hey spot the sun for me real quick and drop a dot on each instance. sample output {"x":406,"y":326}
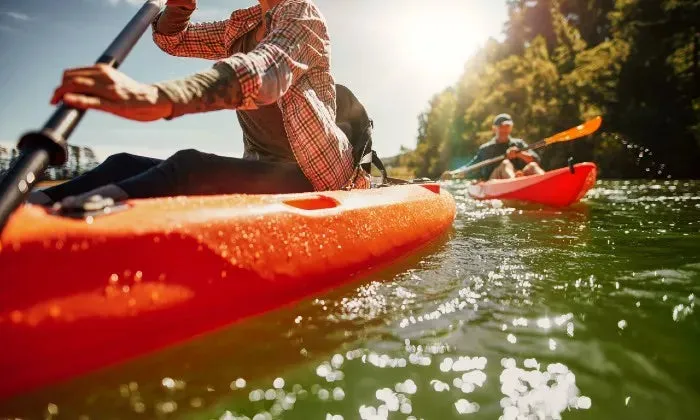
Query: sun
{"x":436,"y":40}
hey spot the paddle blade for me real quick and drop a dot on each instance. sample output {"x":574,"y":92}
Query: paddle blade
{"x":589,"y":127}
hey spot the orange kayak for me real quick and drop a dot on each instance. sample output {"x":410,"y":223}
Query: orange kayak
{"x":557,"y":188}
{"x":81,"y":294}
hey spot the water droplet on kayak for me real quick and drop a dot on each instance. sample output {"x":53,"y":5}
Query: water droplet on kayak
{"x":278,"y":383}
{"x":114,"y":278}
{"x":139,"y":407}
{"x":124,"y":390}
{"x":238,"y":384}
{"x":167,"y":407}
{"x":52,"y":409}
{"x":16,"y":317}
{"x":168,"y":383}
{"x":138,"y":276}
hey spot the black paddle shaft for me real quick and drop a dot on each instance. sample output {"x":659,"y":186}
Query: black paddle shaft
{"x":48,"y":146}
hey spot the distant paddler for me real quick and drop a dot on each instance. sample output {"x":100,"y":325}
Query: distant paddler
{"x":519,"y":161}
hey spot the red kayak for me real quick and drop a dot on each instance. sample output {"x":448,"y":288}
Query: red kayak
{"x":82,"y":294}
{"x":558,"y":188}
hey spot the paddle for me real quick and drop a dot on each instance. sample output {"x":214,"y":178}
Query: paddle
{"x":39,"y":149}
{"x":588,"y":127}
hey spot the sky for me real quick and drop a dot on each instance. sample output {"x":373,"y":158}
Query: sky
{"x":393,"y":54}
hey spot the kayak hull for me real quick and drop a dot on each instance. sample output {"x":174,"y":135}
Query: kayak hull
{"x":78,"y":295}
{"x":558,"y":188}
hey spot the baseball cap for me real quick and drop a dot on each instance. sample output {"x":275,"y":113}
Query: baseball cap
{"x":503,"y":119}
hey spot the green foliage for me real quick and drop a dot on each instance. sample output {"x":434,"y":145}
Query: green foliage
{"x":635,"y":62}
{"x":80,"y":160}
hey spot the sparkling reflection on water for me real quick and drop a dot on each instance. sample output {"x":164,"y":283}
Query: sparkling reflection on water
{"x":520,"y":313}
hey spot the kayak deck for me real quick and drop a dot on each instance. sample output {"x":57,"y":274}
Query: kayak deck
{"x":557,"y":188}
{"x":83,"y":294}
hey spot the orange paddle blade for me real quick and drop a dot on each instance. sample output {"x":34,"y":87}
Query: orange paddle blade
{"x":589,"y":127}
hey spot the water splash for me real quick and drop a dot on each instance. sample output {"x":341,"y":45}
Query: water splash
{"x":644,"y":158}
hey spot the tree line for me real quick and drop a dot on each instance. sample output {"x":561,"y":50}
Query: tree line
{"x":634,"y":62}
{"x":80,"y":160}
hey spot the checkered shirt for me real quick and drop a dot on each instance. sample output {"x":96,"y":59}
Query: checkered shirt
{"x":290,"y":66}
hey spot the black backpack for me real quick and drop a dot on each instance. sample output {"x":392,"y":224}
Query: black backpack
{"x":352,"y":118}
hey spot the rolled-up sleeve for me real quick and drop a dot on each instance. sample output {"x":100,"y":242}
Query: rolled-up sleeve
{"x":293,"y":46}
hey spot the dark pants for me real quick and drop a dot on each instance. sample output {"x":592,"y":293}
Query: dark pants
{"x":187,"y":172}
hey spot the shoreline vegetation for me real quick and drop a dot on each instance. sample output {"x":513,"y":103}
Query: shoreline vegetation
{"x":562,"y":62}
{"x":80,"y":160}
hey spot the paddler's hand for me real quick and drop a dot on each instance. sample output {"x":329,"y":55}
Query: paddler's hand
{"x":185,"y":4}
{"x":107,"y":89}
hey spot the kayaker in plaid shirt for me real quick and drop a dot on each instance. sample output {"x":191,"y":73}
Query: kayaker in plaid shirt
{"x":273,"y":68}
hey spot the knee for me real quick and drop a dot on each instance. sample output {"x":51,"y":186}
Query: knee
{"x":507,"y":164}
{"x":184,"y":161}
{"x":119,"y":159}
{"x":532,"y":168}
{"x":185,"y":155}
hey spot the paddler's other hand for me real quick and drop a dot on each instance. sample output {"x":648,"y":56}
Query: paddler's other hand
{"x":185,"y":4}
{"x":512,"y":153}
{"x":107,"y":89}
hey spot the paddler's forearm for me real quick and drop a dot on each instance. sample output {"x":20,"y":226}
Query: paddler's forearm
{"x":173,"y":20}
{"x":526,"y":157}
{"x":209,"y":90}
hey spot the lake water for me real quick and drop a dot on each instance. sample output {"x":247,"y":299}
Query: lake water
{"x":520,"y":312}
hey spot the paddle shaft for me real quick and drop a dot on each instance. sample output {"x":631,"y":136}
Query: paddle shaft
{"x":497,"y":159}
{"x":48,"y":146}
